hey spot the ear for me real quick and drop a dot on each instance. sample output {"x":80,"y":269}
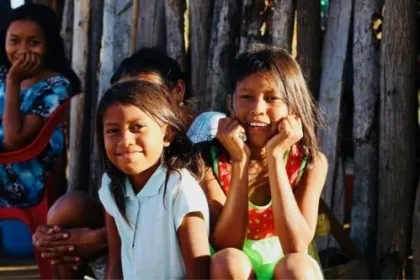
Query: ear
{"x":169,"y":136}
{"x":179,"y":91}
{"x":229,"y":101}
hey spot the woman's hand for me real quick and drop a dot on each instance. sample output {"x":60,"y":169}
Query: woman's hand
{"x":289,"y":133}
{"x":24,"y":67}
{"x":232,"y":135}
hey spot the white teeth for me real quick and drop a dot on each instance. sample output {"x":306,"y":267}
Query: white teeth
{"x":258,"y":124}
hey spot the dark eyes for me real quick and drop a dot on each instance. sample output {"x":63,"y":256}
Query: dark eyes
{"x":35,"y":43}
{"x":267,"y":98}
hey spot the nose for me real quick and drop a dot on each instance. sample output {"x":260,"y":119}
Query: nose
{"x":258,"y":107}
{"x":127,"y":139}
{"x":23,"y":48}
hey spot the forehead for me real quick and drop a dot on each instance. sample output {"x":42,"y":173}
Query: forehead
{"x":119,"y":112}
{"x":257,"y":82}
{"x":25,"y":28}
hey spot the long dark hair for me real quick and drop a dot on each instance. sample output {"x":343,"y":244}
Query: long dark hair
{"x":152,"y":99}
{"x":55,"y":57}
{"x":285,"y":71}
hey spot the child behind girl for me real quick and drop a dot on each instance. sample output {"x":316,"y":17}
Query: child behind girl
{"x":157,"y":215}
{"x":268,"y":173}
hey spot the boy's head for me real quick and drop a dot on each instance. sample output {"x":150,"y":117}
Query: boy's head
{"x":155,"y":66}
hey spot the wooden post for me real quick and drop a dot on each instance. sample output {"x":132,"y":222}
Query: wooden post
{"x":222,"y":50}
{"x":79,"y":63}
{"x":252,"y":20}
{"x":330,"y":96}
{"x":134,"y":26}
{"x":200,"y":29}
{"x":282,"y":26}
{"x":122,"y":32}
{"x":174,"y":15}
{"x":67,"y":27}
{"x":333,"y":57}
{"x":416,"y":236}
{"x":365,"y":128}
{"x":309,"y":41}
{"x":397,"y":145}
{"x":151,"y":29}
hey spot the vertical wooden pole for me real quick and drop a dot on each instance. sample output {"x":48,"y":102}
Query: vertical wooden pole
{"x":79,"y":63}
{"x":282,"y":26}
{"x":174,"y":16}
{"x":200,"y":31}
{"x":397,"y":144}
{"x":365,"y":128}
{"x":330,"y":97}
{"x":222,"y":50}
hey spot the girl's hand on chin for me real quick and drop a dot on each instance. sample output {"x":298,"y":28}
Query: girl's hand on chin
{"x":289,"y":133}
{"x":232,"y":135}
{"x":24,"y":67}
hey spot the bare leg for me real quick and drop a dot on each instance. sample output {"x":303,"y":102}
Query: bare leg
{"x":231,"y":264}
{"x":298,"y":266}
{"x":74,"y":210}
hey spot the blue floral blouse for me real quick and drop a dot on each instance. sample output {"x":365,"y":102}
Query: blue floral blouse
{"x":22,"y":184}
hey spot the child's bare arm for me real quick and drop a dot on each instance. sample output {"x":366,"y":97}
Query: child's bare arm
{"x":19,"y":129}
{"x":295,"y":213}
{"x":193,"y":240}
{"x":113,"y":266}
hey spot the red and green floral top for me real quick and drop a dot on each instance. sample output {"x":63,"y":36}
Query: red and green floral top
{"x":261,"y":224}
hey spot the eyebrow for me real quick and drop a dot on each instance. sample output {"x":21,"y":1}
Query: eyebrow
{"x":18,"y":35}
{"x":268,"y":91}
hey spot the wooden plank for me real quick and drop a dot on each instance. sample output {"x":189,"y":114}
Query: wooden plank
{"x":330,"y":97}
{"x":309,"y":41}
{"x":252,"y":20}
{"x":222,"y":50}
{"x":79,"y":63}
{"x":174,"y":15}
{"x":122,"y":31}
{"x":397,"y":145}
{"x":135,"y":21}
{"x":67,"y":27}
{"x":151,"y":29}
{"x":200,"y":27}
{"x":365,"y":129}
{"x":333,"y":57}
{"x":282,"y":26}
{"x":105,"y":73}
{"x":416,"y":236}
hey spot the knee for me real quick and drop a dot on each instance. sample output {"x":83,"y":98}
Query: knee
{"x":76,"y":209}
{"x":297,"y":266}
{"x":230,"y":263}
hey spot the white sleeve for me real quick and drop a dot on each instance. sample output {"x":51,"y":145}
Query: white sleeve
{"x":189,"y":198}
{"x":105,"y":196}
{"x":204,"y":127}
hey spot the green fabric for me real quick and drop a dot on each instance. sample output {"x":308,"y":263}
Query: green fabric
{"x":264,"y":254}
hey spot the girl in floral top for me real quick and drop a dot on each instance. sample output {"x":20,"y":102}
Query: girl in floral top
{"x":267,"y":173}
{"x":35,"y":78}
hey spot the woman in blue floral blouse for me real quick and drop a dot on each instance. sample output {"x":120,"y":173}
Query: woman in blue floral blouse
{"x":35,"y":77}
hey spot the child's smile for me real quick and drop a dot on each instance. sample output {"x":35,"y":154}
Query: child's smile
{"x":259,"y":105}
{"x":134,"y":141}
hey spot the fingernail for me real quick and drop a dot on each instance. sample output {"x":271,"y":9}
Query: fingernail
{"x":43,"y":255}
{"x":76,"y":259}
{"x":52,"y":262}
{"x":71,"y":248}
{"x":37,"y":244}
{"x":65,"y":235}
{"x":74,"y":267}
